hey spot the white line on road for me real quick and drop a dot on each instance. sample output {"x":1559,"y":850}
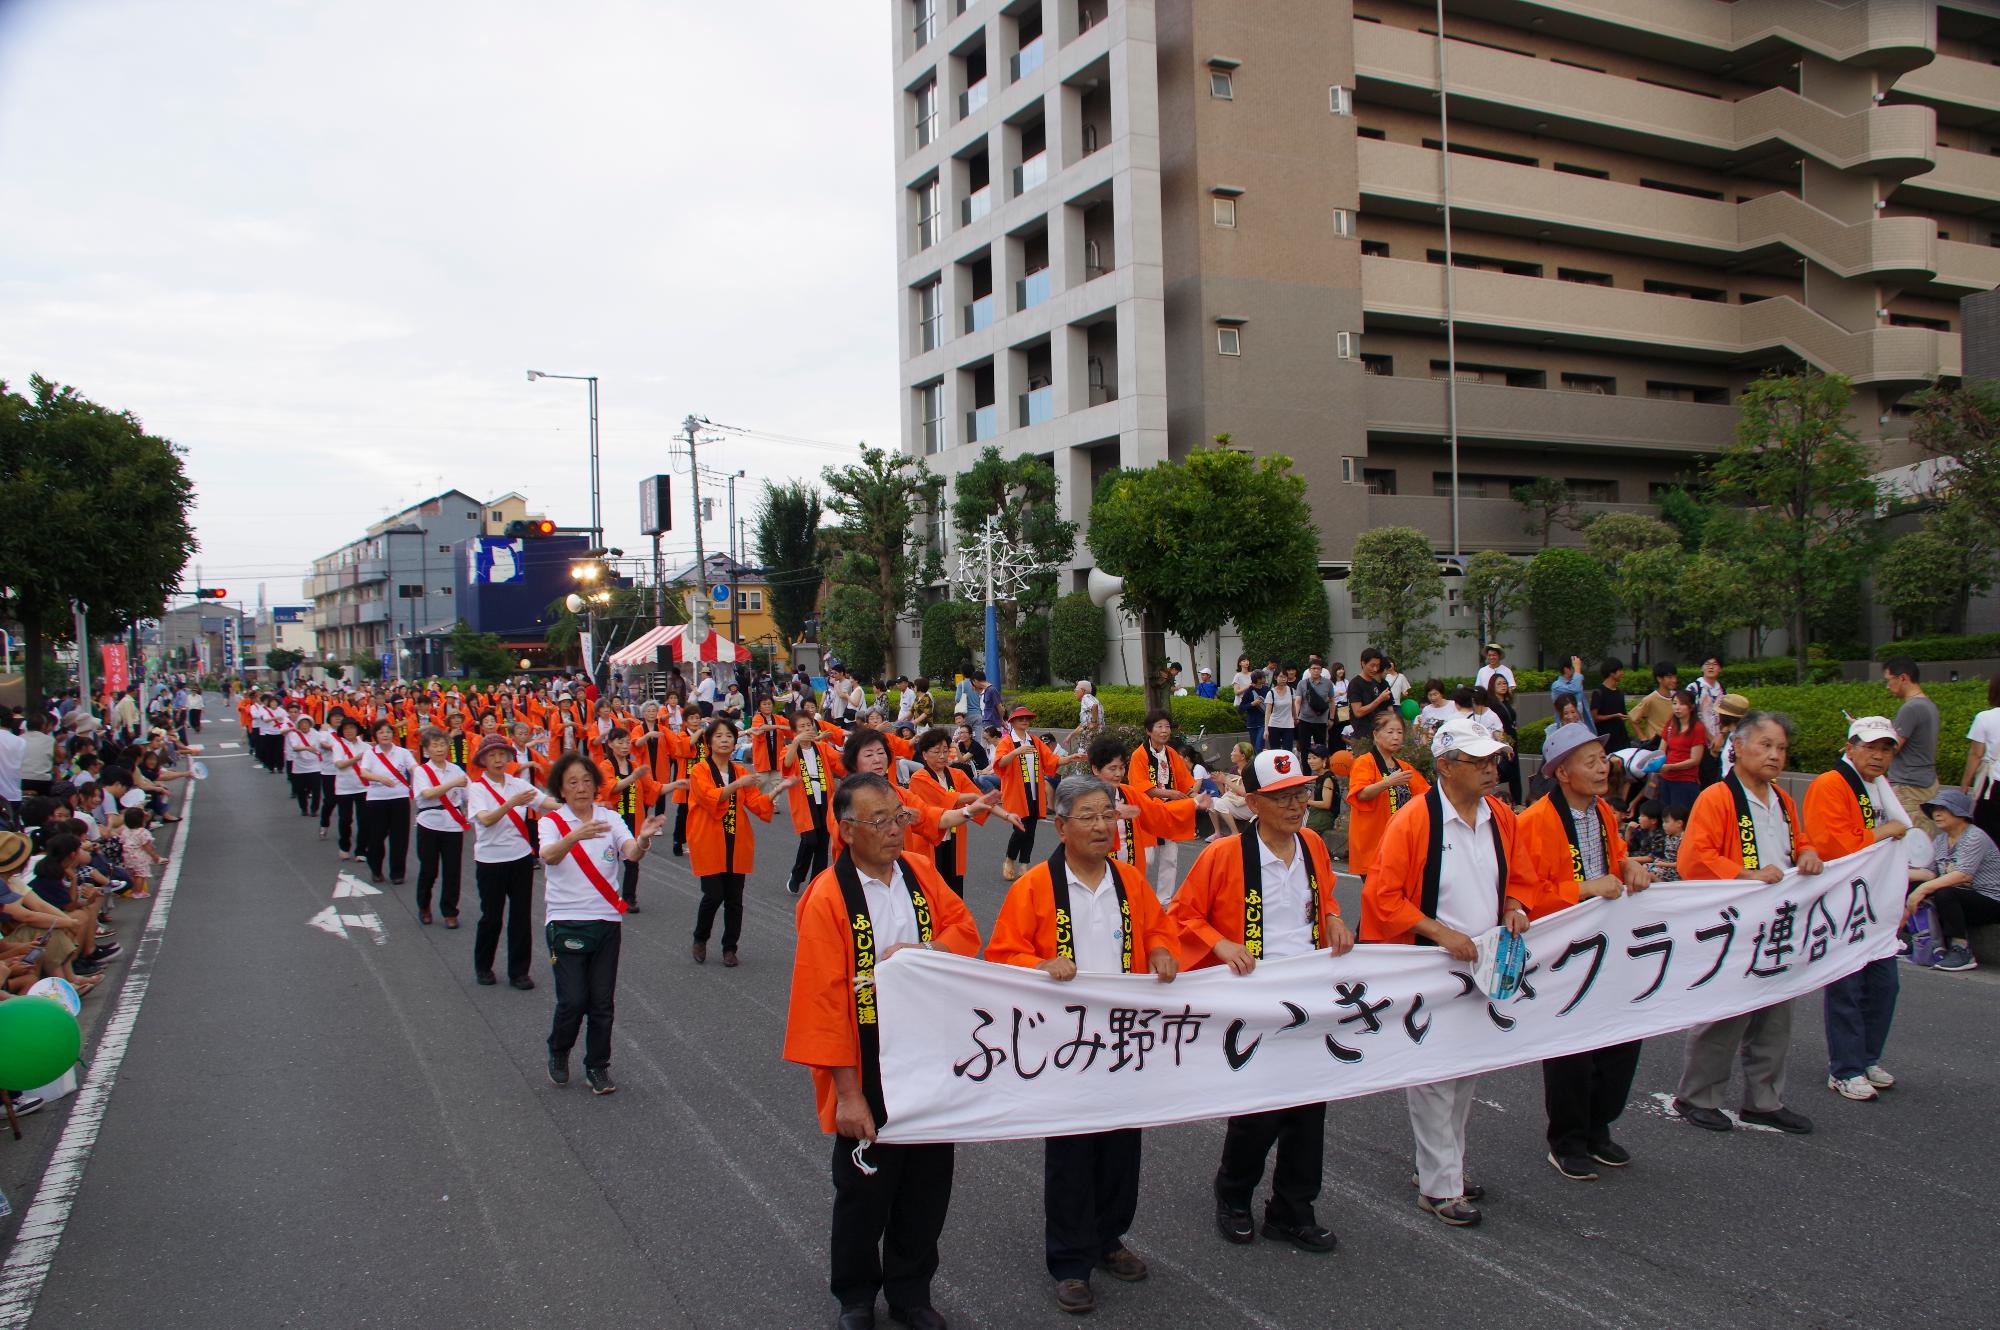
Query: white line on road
{"x":330,"y":920}
{"x":34,"y":1252}
{"x":349,"y":885}
{"x":229,"y":745}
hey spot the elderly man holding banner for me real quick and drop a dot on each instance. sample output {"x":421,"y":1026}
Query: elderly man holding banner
{"x":889,"y":1201}
{"x":1745,"y":827}
{"x":1083,"y":911}
{"x":1568,"y":850}
{"x":1264,"y":895}
{"x":1440,"y":877}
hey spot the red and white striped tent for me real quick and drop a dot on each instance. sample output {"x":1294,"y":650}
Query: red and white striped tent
{"x":715,"y":647}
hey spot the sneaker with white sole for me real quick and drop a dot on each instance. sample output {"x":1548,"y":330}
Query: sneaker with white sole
{"x":1880,"y":1078}
{"x":1851,"y":1087}
{"x":1958,"y":956}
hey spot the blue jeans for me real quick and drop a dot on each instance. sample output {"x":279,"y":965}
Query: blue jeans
{"x":1859,"y":1009}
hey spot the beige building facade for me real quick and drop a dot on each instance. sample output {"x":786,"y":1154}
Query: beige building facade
{"x":1130,"y":225}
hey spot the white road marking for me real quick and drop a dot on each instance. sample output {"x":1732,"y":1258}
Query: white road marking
{"x":1663,"y":1106}
{"x":229,"y":745}
{"x":1489,"y":1104}
{"x":350,"y":885}
{"x":330,"y":920}
{"x":34,"y":1252}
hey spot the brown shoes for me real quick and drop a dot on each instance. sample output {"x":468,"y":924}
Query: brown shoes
{"x":1123,"y":1264}
{"x":1074,"y":1296}
{"x":729,"y":959}
{"x":1008,"y":872}
{"x":701,"y":953}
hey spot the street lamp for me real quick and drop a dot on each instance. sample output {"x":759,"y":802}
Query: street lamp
{"x":596,"y":517}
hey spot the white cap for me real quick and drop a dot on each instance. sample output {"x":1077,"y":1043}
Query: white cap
{"x":1871,"y":729}
{"x":1465,"y":738}
{"x":1275,"y":769}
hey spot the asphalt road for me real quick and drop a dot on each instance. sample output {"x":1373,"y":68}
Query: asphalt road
{"x":322,"y":1131}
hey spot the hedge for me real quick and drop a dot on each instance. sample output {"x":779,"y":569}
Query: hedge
{"x":1077,"y":637}
{"x":1126,"y":705}
{"x":1822,"y":730}
{"x":1976,"y":646}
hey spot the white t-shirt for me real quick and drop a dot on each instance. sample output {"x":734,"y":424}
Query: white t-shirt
{"x":431,"y":812}
{"x":1399,"y":685}
{"x":1985,"y":730}
{"x":705,"y":690}
{"x":339,"y":750}
{"x":1089,"y":711}
{"x":1486,"y":672}
{"x":501,"y":843}
{"x":302,"y":752}
{"x":1280,"y":708}
{"x":384,"y":762}
{"x":1239,"y":683}
{"x":38,"y":755}
{"x":569,"y":892}
{"x":1435,"y":716}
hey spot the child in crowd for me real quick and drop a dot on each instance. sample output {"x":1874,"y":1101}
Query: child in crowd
{"x":1644,"y":841}
{"x":141,"y":855}
{"x":1673,"y":823}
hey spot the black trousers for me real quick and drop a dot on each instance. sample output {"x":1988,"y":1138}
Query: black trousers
{"x":1312,"y":734}
{"x":1021,"y":844}
{"x":194,"y":719}
{"x":326,"y":799}
{"x":439,"y":853}
{"x":1090,"y":1192}
{"x":628,"y":882}
{"x":586,"y":986}
{"x":385,"y":833}
{"x":273,"y":750}
{"x":946,"y":859}
{"x":1300,"y":1135}
{"x":811,"y":859}
{"x":305,"y":789}
{"x":723,"y":891}
{"x":505,"y":893}
{"x":1584,"y":1093}
{"x":1958,"y":906}
{"x":349,"y":805}
{"x":886,"y":1225}
{"x":680,"y":827}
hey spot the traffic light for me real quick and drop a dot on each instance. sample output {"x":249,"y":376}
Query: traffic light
{"x":210,"y":593}
{"x":531,"y":530}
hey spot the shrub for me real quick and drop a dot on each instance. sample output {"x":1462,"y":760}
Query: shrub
{"x":1525,"y":681}
{"x":1293,"y":631}
{"x":951,"y":631}
{"x":1055,"y":709}
{"x":1817,"y":712}
{"x":1574,"y":608}
{"x":1076,"y":637}
{"x":1976,"y":646}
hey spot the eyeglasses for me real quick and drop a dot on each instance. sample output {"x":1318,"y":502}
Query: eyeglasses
{"x":1287,"y":799}
{"x":902,"y":817}
{"x":1092,"y":819}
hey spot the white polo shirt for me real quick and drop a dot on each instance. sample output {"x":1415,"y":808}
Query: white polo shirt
{"x":345,"y":779}
{"x":501,"y":843}
{"x":431,"y":813}
{"x":1287,"y":893}
{"x":568,"y":891}
{"x":1097,"y":929}
{"x":1468,"y":878}
{"x":302,"y":753}
{"x":890,"y":912}
{"x":387,"y":762}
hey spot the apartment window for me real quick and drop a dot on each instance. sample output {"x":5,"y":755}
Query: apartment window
{"x":444,"y":591}
{"x":472,"y":517}
{"x":1382,"y":365}
{"x":1570,"y":168}
{"x":929,"y":217}
{"x":1229,"y":341}
{"x":925,"y":103}
{"x":1343,"y":346}
{"x":1375,"y":249}
{"x":1451,"y":602}
{"x":1691,"y":191}
{"x":1686,"y":292}
{"x":1225,"y":212}
{"x":1916,"y":321}
{"x":1576,"y":64}
{"x":923,"y":25}
{"x":1348,"y":470}
{"x":1593,"y":491}
{"x":930,"y":313}
{"x":930,"y":405}
{"x":1511,"y":376}
{"x":1379,"y":480}
{"x":1473,"y":485}
{"x":1221,"y":86}
{"x":1513,"y":267}
{"x":1340,"y":100}
{"x":1662,"y":391}
{"x":753,"y":601}
{"x":1583,"y":277}
{"x":1750,"y":297}
{"x":1343,"y":222}
{"x":1370,"y":132}
{"x":1490,"y":154}
{"x":1601,"y":384}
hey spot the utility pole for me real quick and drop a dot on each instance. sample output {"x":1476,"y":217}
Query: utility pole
{"x":735,"y":564}
{"x":659,"y":586}
{"x":82,"y":659}
{"x":698,"y":610}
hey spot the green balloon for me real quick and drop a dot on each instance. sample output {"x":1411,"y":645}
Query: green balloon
{"x":1409,"y":708}
{"x":39,"y":1041}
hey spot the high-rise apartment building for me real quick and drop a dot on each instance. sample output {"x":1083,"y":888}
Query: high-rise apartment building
{"x":1564,"y":235}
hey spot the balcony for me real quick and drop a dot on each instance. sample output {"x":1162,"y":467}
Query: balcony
{"x":1031,"y":174}
{"x":369,"y":570}
{"x":1037,"y":406}
{"x":1491,"y":413}
{"x":1027,"y":60}
{"x":1890,"y":36}
{"x":982,"y":424}
{"x":1032,"y":290}
{"x":1960,"y":182}
{"x":975,"y":205}
{"x":372,"y":611}
{"x":979,"y":314}
{"x":972,"y":99}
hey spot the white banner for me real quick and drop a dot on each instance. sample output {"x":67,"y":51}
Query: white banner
{"x":979,"y":1052}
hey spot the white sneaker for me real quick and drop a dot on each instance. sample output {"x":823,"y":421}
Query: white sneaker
{"x":1879,"y":1078}
{"x":1854,"y":1087}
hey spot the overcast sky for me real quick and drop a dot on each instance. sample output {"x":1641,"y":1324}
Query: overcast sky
{"x":318,"y":244}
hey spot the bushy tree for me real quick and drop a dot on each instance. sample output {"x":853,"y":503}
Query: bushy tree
{"x":1709,"y":603}
{"x":1077,"y":637}
{"x":1921,"y":581}
{"x":1495,"y":586}
{"x":1961,"y":427}
{"x":1548,"y":503}
{"x":1614,"y":536}
{"x":1019,"y":496}
{"x":1571,"y":601}
{"x":280,"y":659}
{"x":951,"y":633}
{"x":1397,"y":585}
{"x":787,"y":536}
{"x":479,"y":654}
{"x":1293,"y":629}
{"x":882,"y":557}
{"x":853,"y":627}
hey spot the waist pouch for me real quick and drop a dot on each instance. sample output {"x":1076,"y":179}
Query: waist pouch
{"x":575,"y":937}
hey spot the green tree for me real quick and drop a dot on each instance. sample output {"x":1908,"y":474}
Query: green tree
{"x":1646,"y":583}
{"x":1805,"y":480}
{"x":1688,"y":512}
{"x":1614,"y":536}
{"x":364,"y":665}
{"x":480,"y":655}
{"x":1077,"y":637}
{"x":1019,"y":495}
{"x":1548,"y":504}
{"x":1921,"y":581}
{"x":1495,"y":586}
{"x":951,"y":633}
{"x":1961,"y":427}
{"x":1200,"y":542}
{"x":1396,"y":583}
{"x":882,"y":558}
{"x":93,"y":509}
{"x":1292,"y":629}
{"x":787,"y":536}
{"x":1708,"y":604}
{"x":280,"y":659}
{"x":1571,"y":601}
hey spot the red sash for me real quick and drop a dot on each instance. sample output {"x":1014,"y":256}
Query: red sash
{"x":512,"y":816}
{"x":393,"y":770}
{"x":597,"y":879}
{"x":449,"y":806}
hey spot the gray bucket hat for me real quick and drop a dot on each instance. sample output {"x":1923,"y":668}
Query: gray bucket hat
{"x":1951,"y":799}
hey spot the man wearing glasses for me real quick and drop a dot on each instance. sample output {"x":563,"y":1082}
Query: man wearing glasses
{"x":1267,"y":894}
{"x":889,"y":1201}
{"x":1082,"y":910}
{"x":1439,"y":880}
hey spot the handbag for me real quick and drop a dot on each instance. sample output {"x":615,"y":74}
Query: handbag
{"x":575,"y":937}
{"x":1926,"y":937}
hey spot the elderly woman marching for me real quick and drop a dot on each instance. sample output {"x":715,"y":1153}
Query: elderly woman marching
{"x":505,"y":851}
{"x":581,"y":843}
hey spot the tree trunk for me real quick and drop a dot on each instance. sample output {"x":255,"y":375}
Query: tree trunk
{"x":31,"y":669}
{"x":1799,"y":642}
{"x":1153,"y":659}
